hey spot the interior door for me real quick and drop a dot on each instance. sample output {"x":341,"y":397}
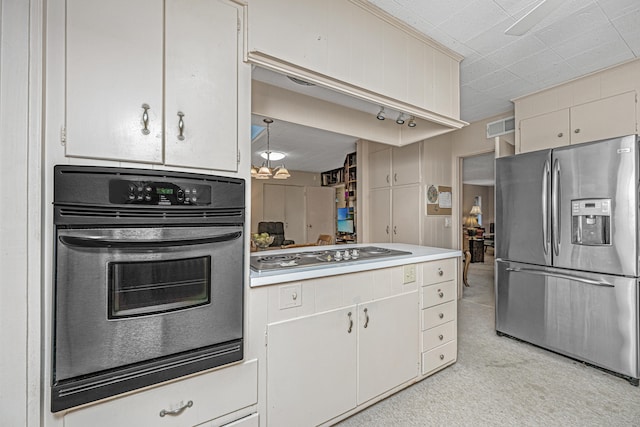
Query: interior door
{"x":321,"y":212}
{"x":600,"y":170}
{"x":294,"y":217}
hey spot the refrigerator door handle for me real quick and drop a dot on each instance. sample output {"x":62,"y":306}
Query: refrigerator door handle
{"x":546,"y":172}
{"x":561,"y":276}
{"x":555,"y":208}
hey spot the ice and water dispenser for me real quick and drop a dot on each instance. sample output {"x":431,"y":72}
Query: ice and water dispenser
{"x":591,"y":222}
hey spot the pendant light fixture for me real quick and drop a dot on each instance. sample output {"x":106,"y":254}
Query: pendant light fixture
{"x":266,"y":171}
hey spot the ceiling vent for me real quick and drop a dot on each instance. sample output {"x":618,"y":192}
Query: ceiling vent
{"x":501,"y":127}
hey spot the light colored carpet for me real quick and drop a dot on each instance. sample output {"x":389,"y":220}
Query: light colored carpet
{"x":498,"y":381}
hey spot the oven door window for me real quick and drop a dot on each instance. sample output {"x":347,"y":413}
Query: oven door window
{"x":151,"y":287}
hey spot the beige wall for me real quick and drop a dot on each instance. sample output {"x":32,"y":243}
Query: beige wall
{"x":303,"y":179}
{"x":437,"y":170}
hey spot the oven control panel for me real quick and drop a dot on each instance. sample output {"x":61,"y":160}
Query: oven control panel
{"x":158,"y":193}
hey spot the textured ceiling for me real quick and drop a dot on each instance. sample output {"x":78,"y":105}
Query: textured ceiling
{"x":577,"y":38}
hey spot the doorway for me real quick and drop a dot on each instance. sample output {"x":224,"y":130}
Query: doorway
{"x":477,"y":217}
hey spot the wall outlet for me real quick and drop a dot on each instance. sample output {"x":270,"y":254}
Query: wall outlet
{"x":409,"y":273}
{"x":290,"y":296}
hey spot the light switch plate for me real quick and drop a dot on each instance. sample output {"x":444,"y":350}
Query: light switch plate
{"x":409,"y":273}
{"x":447,"y":222}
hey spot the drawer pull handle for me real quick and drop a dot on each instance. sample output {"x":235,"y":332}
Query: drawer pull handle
{"x":350,"y":323}
{"x":440,"y":272}
{"x":145,"y":119}
{"x":577,"y":130}
{"x":560,"y":135}
{"x":366,"y":314}
{"x":178,"y":411}
{"x":441,"y":315}
{"x":440,"y":293}
{"x":442,"y":357}
{"x":441,"y":337}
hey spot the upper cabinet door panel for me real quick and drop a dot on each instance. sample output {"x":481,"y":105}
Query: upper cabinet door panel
{"x":606,"y":118}
{"x":201,"y":84}
{"x":545,"y":131}
{"x":380,"y":168}
{"x":111,"y":71}
{"x":294,"y":31}
{"x":406,"y":164}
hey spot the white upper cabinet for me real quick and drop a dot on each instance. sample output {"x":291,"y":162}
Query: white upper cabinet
{"x":201,"y":84}
{"x":353,"y":46}
{"x":152,"y":81}
{"x":395,"y":166}
{"x":114,"y":67}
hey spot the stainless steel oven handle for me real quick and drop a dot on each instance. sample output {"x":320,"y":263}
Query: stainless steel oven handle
{"x":92,"y":242}
{"x":561,"y":276}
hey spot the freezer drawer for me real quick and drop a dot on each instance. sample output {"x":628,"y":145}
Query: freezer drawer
{"x":591,"y":317}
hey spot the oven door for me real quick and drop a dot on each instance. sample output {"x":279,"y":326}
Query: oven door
{"x":130,"y":295}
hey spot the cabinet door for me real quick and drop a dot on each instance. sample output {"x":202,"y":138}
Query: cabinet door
{"x":201,"y":107}
{"x":388,"y":337}
{"x":380,"y":215}
{"x":311,"y":368}
{"x":406,"y":215}
{"x":548,"y":130}
{"x":380,"y":168}
{"x":406,"y":165}
{"x":606,"y":118}
{"x":111,"y":72}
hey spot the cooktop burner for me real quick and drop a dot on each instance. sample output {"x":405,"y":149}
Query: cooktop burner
{"x":261,"y":262}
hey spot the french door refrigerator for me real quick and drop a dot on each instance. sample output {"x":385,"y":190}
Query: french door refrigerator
{"x":566,"y":241}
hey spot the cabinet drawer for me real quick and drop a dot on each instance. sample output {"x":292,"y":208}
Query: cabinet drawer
{"x":438,"y":294}
{"x":211,"y":395}
{"x":431,"y":338}
{"x":438,"y":315}
{"x":438,"y":271}
{"x":439,"y":356}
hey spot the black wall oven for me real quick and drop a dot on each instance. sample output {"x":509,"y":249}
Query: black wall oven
{"x":149,"y":278}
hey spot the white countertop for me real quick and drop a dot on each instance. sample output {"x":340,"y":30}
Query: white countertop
{"x":418,"y":254}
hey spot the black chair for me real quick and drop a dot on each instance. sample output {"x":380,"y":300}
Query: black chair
{"x":275,"y":229}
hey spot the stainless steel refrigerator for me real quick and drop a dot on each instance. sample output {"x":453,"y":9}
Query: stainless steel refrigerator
{"x":566,"y":241}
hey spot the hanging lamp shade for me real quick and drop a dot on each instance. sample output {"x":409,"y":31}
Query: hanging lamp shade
{"x":281,"y":173}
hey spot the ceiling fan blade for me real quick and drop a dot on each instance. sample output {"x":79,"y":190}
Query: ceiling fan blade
{"x":535,"y":15}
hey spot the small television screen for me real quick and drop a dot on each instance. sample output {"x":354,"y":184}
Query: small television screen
{"x":345,"y":213}
{"x":345,"y":226}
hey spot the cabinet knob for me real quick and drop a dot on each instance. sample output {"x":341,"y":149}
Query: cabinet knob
{"x":294,"y":296}
{"x":560,"y":135}
{"x":440,"y":272}
{"x":441,"y":315}
{"x":577,"y":130}
{"x":181,"y":125}
{"x":145,"y":119}
{"x":442,"y":357}
{"x":441,"y":337}
{"x":440,"y":293}
{"x":177,"y":411}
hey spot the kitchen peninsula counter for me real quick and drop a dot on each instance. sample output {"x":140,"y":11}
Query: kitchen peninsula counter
{"x":418,"y":254}
{"x":349,"y":333}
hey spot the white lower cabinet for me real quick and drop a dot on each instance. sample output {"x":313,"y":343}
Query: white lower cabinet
{"x":187,"y":402}
{"x":438,"y":315}
{"x":387,"y":344}
{"x":311,"y":368}
{"x":323,"y":365}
